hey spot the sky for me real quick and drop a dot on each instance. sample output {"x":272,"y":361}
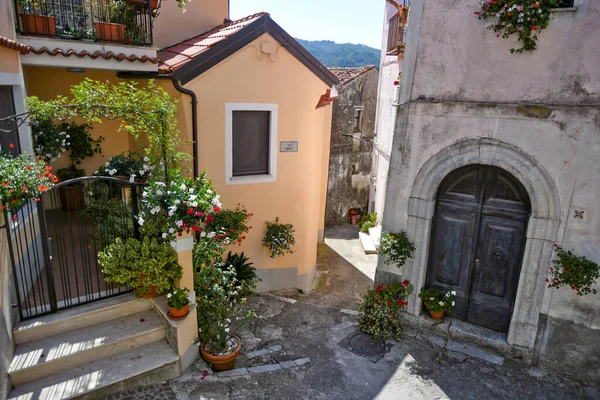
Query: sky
{"x":342,"y":21}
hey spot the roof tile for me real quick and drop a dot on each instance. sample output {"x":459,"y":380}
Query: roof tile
{"x":346,"y":75}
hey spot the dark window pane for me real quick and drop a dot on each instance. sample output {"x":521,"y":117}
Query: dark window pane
{"x":7,"y":109}
{"x":251,"y":142}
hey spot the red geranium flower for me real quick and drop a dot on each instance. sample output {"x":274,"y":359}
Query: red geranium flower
{"x":190,"y":211}
{"x":405,"y":283}
{"x":11,"y":146}
{"x":389,"y":303}
{"x":216,"y":209}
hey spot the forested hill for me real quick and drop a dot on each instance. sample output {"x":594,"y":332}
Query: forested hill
{"x":333,"y":54}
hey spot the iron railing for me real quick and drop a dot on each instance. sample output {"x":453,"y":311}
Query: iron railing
{"x":54,"y":243}
{"x":118,"y":21}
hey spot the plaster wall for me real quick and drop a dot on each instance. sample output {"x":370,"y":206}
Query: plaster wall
{"x":535,"y":115}
{"x":200,"y":16}
{"x":298,"y":194}
{"x":7,"y":344}
{"x":350,"y":149}
{"x":385,"y":117}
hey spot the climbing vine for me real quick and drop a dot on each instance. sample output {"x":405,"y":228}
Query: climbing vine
{"x":576,"y":272}
{"x":146,"y":111}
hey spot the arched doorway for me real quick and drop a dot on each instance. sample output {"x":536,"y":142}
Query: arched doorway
{"x":477,"y":243}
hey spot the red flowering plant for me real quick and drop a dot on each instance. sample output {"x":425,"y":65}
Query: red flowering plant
{"x":229,"y":224}
{"x":380,"y":310}
{"x":576,"y":272}
{"x":23,"y":178}
{"x":525,"y":18}
{"x":182,"y":205}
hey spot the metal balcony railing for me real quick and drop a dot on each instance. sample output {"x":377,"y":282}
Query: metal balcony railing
{"x":117,"y":21}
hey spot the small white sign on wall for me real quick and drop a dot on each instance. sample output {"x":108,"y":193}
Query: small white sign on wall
{"x":288,"y":147}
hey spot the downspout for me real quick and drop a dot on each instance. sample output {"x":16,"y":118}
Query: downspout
{"x":194,"y":121}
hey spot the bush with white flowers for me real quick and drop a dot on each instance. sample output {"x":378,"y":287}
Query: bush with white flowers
{"x":127,"y":164}
{"x":183,"y":205}
{"x":279,"y":238}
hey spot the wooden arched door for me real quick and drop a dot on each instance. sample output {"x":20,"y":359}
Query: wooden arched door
{"x":477,"y":243}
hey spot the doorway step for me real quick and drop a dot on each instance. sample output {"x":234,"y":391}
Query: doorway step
{"x":91,"y":351}
{"x":466,"y":338}
{"x":370,"y":241}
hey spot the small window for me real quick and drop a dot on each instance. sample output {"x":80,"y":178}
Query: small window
{"x":7,"y":109}
{"x":565,"y":3}
{"x":358,"y":111}
{"x":251,"y":142}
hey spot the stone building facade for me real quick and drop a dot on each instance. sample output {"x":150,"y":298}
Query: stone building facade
{"x":494,"y":158}
{"x":352,"y":130}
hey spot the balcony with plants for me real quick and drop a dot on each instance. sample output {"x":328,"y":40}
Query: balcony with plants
{"x":126,"y":22}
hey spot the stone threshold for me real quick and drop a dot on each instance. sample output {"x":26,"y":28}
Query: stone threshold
{"x":465,"y":338}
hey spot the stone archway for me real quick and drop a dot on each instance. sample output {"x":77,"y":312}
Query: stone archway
{"x":542,"y":227}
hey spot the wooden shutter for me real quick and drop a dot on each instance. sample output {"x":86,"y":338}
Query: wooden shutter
{"x":251,"y":142}
{"x":7,"y":109}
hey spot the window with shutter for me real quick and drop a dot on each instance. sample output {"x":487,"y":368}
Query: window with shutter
{"x":251,"y":142}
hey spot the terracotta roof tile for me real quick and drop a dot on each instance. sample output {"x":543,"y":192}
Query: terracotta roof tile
{"x":25,"y":49}
{"x":346,"y":75}
{"x":176,"y":56}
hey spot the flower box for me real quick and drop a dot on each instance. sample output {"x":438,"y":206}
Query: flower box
{"x":38,"y":24}
{"x":110,"y":32}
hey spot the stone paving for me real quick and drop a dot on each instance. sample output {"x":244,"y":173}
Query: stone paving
{"x":310,"y":329}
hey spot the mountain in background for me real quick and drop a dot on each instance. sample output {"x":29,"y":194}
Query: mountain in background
{"x":342,"y":55}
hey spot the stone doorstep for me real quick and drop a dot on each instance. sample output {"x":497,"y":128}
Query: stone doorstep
{"x":264,"y":352}
{"x":465,"y":338}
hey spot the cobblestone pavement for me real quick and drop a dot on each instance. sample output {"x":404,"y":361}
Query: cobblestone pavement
{"x":157,"y":391}
{"x":310,"y":326}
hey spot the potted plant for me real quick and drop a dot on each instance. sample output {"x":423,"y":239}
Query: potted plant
{"x":178,"y":303}
{"x":110,"y":26}
{"x":22,"y":178}
{"x":127,"y":166}
{"x":279,"y":238}
{"x":437,"y":302}
{"x":380,"y":310}
{"x":34,"y":19}
{"x":220,"y":304}
{"x":149,"y":265}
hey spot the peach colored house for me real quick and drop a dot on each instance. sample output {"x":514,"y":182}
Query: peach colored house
{"x":255,"y":112}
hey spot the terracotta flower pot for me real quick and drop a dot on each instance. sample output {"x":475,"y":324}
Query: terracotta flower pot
{"x":38,"y":24}
{"x":437,"y":315}
{"x":153,"y":3}
{"x":178,"y":314}
{"x":151,"y":293}
{"x":222,"y":363}
{"x":109,"y":31}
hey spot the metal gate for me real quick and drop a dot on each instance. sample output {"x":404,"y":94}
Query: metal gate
{"x":54,"y":242}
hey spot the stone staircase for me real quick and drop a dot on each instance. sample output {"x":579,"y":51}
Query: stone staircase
{"x":92,"y":351}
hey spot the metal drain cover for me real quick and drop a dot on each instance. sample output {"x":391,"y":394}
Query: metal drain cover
{"x":365,"y":346}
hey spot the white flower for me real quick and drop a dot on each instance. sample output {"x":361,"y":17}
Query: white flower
{"x":145,"y":194}
{"x":193,"y":197}
{"x":208,"y":191}
{"x":159,"y":192}
{"x":169,"y":295}
{"x":106,"y":164}
{"x":195,"y":204}
{"x":161,"y":184}
{"x":141,"y":221}
{"x":227,"y":330}
{"x":453,"y":304}
{"x":453,"y":293}
{"x":164,"y":235}
{"x":191,"y":190}
{"x":202,"y":234}
{"x":171,"y":230}
{"x":176,"y":202}
{"x":431,"y":298}
{"x":146,"y":159}
{"x":441,"y":303}
{"x":211,"y":235}
{"x":132,"y":178}
{"x":179,"y":223}
{"x":112,"y":171}
{"x":171,"y":213}
{"x":183,"y":187}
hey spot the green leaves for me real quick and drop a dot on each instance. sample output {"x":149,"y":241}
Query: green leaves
{"x":435,"y":300}
{"x":23,"y":178}
{"x":125,"y":262}
{"x":397,"y":248}
{"x":577,"y":272}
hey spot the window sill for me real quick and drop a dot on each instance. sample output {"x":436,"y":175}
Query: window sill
{"x":564,"y":10}
{"x":241,"y":180}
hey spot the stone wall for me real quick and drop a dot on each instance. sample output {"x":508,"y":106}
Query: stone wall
{"x":465,"y":99}
{"x":350,"y":155}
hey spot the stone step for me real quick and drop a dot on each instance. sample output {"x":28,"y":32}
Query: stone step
{"x":367,"y":244}
{"x":51,"y":355}
{"x":127,"y":370}
{"x":375,"y":234}
{"x":79,"y":317}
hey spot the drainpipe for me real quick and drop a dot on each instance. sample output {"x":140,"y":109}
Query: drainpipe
{"x":194,"y":121}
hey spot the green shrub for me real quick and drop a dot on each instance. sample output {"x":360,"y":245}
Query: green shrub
{"x":434,"y":299}
{"x":124,"y":263}
{"x":396,"y":248}
{"x":245,"y":273}
{"x":578,"y":273}
{"x":365,"y":227}
{"x":380,"y":310}
{"x":372,"y":218}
